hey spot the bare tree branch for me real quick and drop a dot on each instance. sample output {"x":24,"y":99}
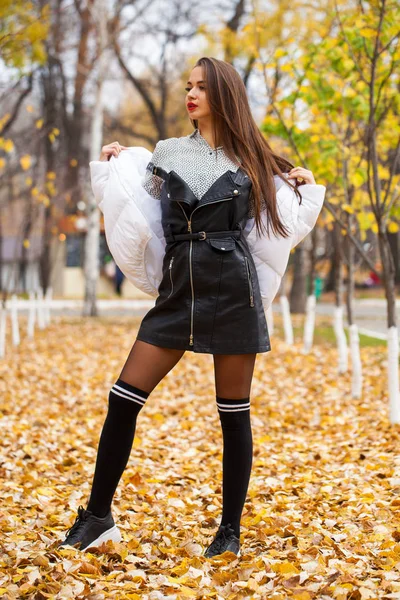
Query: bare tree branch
{"x":355,"y":58}
{"x":18,"y":104}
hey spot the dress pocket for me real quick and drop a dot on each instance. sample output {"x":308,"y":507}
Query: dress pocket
{"x":251,"y":295}
{"x":223,"y":244}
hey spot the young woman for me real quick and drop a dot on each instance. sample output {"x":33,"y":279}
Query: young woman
{"x":209,"y":183}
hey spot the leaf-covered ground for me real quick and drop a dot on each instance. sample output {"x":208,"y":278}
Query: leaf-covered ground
{"x":321,"y":518}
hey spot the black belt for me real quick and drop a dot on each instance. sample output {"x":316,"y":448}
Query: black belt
{"x":202,"y":235}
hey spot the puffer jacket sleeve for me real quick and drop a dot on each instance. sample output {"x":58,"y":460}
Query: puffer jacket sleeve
{"x":132,"y":220}
{"x":313,"y":196}
{"x":271,"y":252}
{"x":99,"y":173}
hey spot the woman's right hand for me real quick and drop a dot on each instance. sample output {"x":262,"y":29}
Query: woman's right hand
{"x":110,"y":150}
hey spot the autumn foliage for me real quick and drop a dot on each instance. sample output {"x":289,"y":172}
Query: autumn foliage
{"x":321,"y":518}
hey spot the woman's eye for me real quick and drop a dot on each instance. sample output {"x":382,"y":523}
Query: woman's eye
{"x":188,"y":88}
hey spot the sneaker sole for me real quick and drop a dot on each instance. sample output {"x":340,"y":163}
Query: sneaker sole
{"x":112,"y":534}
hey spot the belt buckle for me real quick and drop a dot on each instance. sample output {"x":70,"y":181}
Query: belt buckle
{"x":203,"y":233}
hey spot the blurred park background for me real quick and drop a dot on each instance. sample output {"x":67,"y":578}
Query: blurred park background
{"x":323,"y":83}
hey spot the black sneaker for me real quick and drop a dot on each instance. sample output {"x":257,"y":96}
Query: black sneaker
{"x":225,"y":539}
{"x":90,"y":530}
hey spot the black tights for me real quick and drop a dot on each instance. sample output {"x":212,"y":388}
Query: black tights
{"x":145,"y":367}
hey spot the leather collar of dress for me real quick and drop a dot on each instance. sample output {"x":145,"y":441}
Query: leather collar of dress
{"x":226,"y":186}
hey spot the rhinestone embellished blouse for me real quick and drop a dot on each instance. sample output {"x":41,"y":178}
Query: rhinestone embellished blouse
{"x":193,"y":159}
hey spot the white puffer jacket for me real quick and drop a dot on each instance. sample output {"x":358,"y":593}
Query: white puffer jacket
{"x":132,"y":221}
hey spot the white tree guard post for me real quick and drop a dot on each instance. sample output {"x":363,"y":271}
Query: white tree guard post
{"x":47,"y":303}
{"x":287,"y":321}
{"x":3,"y":329}
{"x":14,"y":321}
{"x":340,"y":339}
{"x":309,"y":324}
{"x":270,"y":319}
{"x":356,"y":365}
{"x":315,"y":420}
{"x":31,"y":315}
{"x":40,"y":308}
{"x":393,"y":374}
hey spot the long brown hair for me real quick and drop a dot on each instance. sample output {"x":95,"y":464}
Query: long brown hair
{"x":234,"y":128}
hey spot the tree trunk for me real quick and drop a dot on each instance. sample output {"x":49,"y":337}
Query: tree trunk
{"x":75,"y":130}
{"x":49,"y":88}
{"x":330,"y":280}
{"x":339,"y":265}
{"x":301,"y":267}
{"x":313,"y":259}
{"x":92,"y":239}
{"x":24,"y":262}
{"x":394,"y":243}
{"x":388,"y":273}
{"x":356,"y":364}
{"x":309,"y":323}
{"x":350,"y":252}
{"x":338,"y":313}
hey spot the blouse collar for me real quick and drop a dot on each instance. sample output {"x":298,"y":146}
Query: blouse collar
{"x":199,"y":138}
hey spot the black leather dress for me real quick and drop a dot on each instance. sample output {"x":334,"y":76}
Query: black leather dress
{"x":209,"y":297}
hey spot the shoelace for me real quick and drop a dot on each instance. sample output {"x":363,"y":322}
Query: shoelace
{"x":79,"y":521}
{"x":223,"y":534}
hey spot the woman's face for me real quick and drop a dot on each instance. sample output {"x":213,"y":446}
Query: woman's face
{"x":196,"y":102}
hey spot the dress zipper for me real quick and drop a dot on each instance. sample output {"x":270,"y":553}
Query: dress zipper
{"x":189,"y":222}
{"x":250,"y":284}
{"x":170,"y":275}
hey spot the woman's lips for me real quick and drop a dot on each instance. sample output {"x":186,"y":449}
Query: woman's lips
{"x":191,"y":106}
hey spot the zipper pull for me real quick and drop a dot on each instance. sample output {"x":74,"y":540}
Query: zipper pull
{"x":190,"y":226}
{"x":251,"y":301}
{"x":191,"y":340}
{"x":170,"y":262}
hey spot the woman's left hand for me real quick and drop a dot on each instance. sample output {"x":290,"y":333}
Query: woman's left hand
{"x":304,"y":174}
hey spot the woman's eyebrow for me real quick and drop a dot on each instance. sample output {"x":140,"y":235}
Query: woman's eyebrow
{"x":200,"y":81}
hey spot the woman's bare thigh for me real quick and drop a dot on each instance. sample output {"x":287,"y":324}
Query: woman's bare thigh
{"x":147,"y":364}
{"x":233,"y":375}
